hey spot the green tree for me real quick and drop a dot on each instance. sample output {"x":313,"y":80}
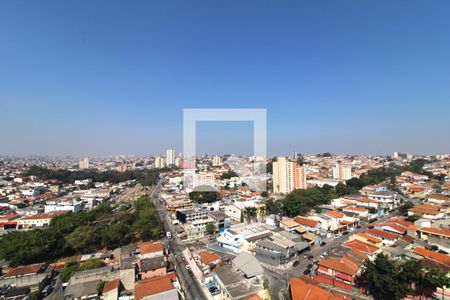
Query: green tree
{"x":83,"y":239}
{"x":204,"y":196}
{"x":116,"y":235}
{"x":380,"y":278}
{"x":210,"y":228}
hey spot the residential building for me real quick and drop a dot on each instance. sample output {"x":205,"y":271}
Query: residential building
{"x":287,"y":176}
{"x":342,"y":172}
{"x":83,"y":164}
{"x":170,"y":157}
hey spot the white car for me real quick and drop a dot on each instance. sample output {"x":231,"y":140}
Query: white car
{"x":337,"y":236}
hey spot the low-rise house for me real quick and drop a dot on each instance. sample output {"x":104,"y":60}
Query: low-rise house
{"x":240,"y":279}
{"x":427,"y":211}
{"x":436,"y":236}
{"x":387,"y":238}
{"x":150,"y":250}
{"x":311,"y":226}
{"x":207,"y":260}
{"x":31,"y":276}
{"x":361,"y":212}
{"x":289,"y":225}
{"x":152,"y":267}
{"x":367,"y":238}
{"x":340,"y":272}
{"x":156,"y":288}
{"x":243,"y":236}
{"x":111,"y":290}
{"x":304,"y":289}
{"x":438,"y":199}
{"x":277,"y":249}
{"x":38,"y":220}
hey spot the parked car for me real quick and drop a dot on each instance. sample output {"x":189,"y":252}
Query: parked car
{"x":296,"y":263}
{"x":311,"y":257}
{"x":306,"y":272}
{"x":323,"y":244}
{"x":345,"y":233}
{"x":188,"y":267}
{"x":309,"y":266}
{"x":337,"y":236}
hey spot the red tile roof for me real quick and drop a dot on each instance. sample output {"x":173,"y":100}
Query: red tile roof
{"x":111,"y":285}
{"x":436,"y":231}
{"x":152,"y":286}
{"x":368,"y":237}
{"x":436,"y":256}
{"x":382,"y":234}
{"x":45,"y":215}
{"x":151,"y":247}
{"x":302,"y":290}
{"x":335,"y":214}
{"x":305,"y":221}
{"x":339,"y":265}
{"x":361,"y":246}
{"x":25,"y":270}
{"x":207,"y":257}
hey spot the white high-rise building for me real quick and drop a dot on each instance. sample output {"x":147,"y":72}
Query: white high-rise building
{"x":342,"y":172}
{"x":170,"y":157}
{"x":287,"y":176}
{"x":216,"y":161}
{"x":160,"y":162}
{"x":83,"y":164}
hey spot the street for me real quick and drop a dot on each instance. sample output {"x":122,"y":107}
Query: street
{"x":192,"y":288}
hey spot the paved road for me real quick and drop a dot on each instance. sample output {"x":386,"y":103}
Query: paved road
{"x":190,"y":285}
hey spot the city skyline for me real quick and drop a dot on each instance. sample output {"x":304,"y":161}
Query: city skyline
{"x":350,"y":78}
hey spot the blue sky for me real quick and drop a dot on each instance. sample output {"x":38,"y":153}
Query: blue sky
{"x":112,"y":77}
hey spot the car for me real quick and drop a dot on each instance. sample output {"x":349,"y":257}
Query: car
{"x":337,"y":236}
{"x":311,"y":257}
{"x":296,"y":263}
{"x":309,"y":266}
{"x":345,"y":233}
{"x":188,"y":267}
{"x":323,"y":244}
{"x":358,"y":227}
{"x":214,"y":291}
{"x":190,"y":273}
{"x":185,"y":261}
{"x":306,"y":272}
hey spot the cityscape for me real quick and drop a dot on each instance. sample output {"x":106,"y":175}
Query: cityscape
{"x":238,"y":150}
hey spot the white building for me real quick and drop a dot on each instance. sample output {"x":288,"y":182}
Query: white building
{"x":160,"y":162}
{"x":83,"y":164}
{"x":170,"y":157}
{"x":203,"y":179}
{"x":342,"y":172}
{"x":216,"y":161}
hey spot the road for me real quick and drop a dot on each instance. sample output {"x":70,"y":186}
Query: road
{"x":192,"y":288}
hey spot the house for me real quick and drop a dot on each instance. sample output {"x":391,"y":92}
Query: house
{"x":27,"y":276}
{"x":427,"y":211}
{"x":340,"y":272}
{"x":438,"y":199}
{"x":243,"y":236}
{"x":361,"y":212}
{"x":208,"y":259}
{"x":436,"y":236}
{"x":311,"y":226}
{"x":437,"y":257}
{"x":156,"y":288}
{"x":38,"y":220}
{"x":240,"y":279}
{"x":152,"y":267}
{"x":387,"y":238}
{"x":277,"y":249}
{"x":366,"y":238}
{"x":304,"y":289}
{"x":150,"y":250}
{"x":111,"y":290}
{"x":289,"y":225}
{"x":357,"y":245}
